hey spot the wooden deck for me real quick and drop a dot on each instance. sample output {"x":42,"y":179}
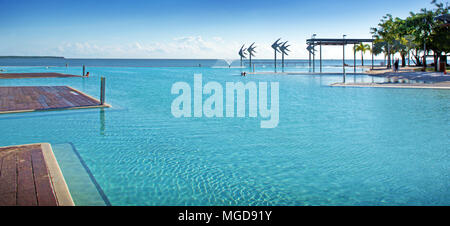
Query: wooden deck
{"x":30,"y":176}
{"x":35,"y":75}
{"x":16,"y":99}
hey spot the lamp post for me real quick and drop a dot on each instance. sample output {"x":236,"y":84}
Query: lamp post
{"x":372,"y":50}
{"x":313,"y":52}
{"x":343,"y":58}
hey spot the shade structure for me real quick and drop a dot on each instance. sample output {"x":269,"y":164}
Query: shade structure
{"x":335,"y":42}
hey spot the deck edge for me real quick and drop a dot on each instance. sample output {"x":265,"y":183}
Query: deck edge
{"x":60,"y":188}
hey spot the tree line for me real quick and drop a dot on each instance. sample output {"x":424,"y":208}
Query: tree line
{"x":420,"y":34}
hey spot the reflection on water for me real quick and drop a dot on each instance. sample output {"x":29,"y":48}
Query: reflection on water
{"x":102,"y":122}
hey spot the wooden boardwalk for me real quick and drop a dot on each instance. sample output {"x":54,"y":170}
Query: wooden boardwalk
{"x":15,"y":99}
{"x":30,"y":176}
{"x":35,"y":75}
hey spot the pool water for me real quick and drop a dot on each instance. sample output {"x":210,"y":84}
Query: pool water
{"x":332,"y":146}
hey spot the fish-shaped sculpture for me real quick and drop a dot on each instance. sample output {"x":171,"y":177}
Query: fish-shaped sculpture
{"x":284,"y":49}
{"x":276,"y":47}
{"x":310,"y":49}
{"x":242,"y":52}
{"x":251,"y":52}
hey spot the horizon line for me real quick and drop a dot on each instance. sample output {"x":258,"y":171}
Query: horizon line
{"x":117,"y":58}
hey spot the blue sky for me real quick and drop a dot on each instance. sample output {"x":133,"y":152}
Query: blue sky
{"x":184,"y":29}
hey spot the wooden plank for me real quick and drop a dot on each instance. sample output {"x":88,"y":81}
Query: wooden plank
{"x":44,"y":190}
{"x":30,"y":98}
{"x":26,"y":190}
{"x":1,"y":161}
{"x":35,"y":75}
{"x":26,"y":177}
{"x":43,"y":101}
{"x":8,"y":180}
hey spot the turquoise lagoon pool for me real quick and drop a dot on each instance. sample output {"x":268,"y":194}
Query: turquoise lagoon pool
{"x":332,"y":146}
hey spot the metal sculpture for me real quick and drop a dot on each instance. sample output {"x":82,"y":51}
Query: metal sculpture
{"x":284,"y":49}
{"x":276,"y":47}
{"x":251,"y":51}
{"x":242,"y":53}
{"x":311,"y":51}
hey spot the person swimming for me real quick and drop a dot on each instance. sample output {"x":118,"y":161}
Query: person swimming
{"x":87,"y":74}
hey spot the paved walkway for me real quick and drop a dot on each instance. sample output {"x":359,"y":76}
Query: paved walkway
{"x":439,"y":85}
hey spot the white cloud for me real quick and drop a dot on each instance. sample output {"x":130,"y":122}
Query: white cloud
{"x":179,"y":47}
{"x":188,"y":47}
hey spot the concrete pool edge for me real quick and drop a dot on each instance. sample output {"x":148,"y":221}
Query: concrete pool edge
{"x":57,"y":181}
{"x":400,"y":86}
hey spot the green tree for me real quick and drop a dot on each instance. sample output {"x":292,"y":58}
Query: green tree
{"x":417,"y":34}
{"x":440,"y":34}
{"x":380,"y":46}
{"x":385,"y":33}
{"x":362,"y":48}
{"x":419,"y":26}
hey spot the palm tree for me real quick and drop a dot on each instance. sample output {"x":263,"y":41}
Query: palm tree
{"x":363,"y":48}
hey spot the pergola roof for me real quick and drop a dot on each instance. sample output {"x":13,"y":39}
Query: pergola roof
{"x":336,"y":41}
{"x":313,"y":42}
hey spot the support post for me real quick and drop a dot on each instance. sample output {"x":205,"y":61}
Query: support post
{"x":354,"y":59}
{"x":102,"y":90}
{"x":84,"y":70}
{"x":343,"y":62}
{"x":372,"y":55}
{"x":320,"y":57}
{"x":309,"y":61}
{"x":314,"y":57}
{"x":275,"y":62}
